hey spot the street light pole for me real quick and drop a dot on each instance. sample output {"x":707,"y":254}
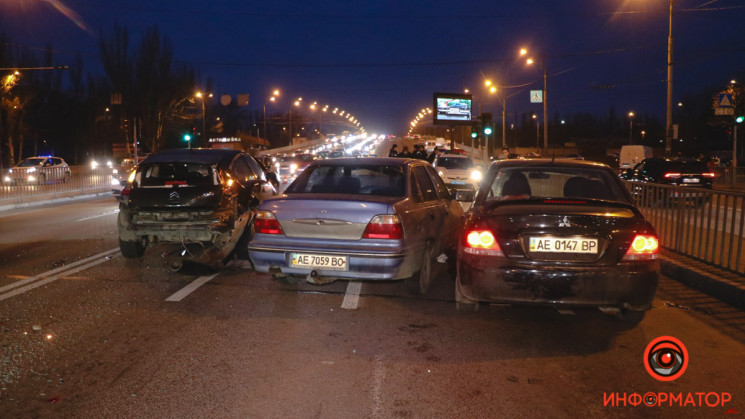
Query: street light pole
{"x":631,"y":125}
{"x":545,"y":106}
{"x":669,"y":113}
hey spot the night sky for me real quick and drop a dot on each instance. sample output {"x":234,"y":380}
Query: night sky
{"x":382,"y":60}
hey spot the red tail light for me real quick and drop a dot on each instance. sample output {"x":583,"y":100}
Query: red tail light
{"x":481,"y":242}
{"x":672,"y":175}
{"x":709,"y":174}
{"x":384,"y":227}
{"x":266,"y":223}
{"x":643,"y":247}
{"x":125,"y":191}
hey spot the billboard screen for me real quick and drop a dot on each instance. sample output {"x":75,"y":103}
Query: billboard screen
{"x":452,"y":109}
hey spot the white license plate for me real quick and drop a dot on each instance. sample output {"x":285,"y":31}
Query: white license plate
{"x":563,"y":245}
{"x":305,"y":260}
{"x":458,"y":182}
{"x":691,"y":180}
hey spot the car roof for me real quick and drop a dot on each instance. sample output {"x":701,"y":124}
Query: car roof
{"x":542,"y":162}
{"x":388,"y":161}
{"x":193,"y":155}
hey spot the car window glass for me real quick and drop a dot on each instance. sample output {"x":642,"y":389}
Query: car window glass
{"x":425,"y":184}
{"x":455,"y":163}
{"x":243,"y":171}
{"x":380,"y":180}
{"x":556,"y":182}
{"x":414,"y":188}
{"x":442,"y":189}
{"x":181,"y":174}
{"x":255,"y":167}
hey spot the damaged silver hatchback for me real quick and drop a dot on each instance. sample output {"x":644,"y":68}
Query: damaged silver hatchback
{"x":200,"y":199}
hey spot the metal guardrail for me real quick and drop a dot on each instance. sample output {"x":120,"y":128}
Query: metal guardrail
{"x":83,"y":180}
{"x":703,"y":224}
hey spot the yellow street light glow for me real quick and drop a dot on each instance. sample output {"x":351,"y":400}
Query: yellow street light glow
{"x":466,"y":91}
{"x":276,"y":92}
{"x":523,"y":51}
{"x":493,"y":89}
{"x":631,"y":114}
{"x":487,"y":83}
{"x":529,"y":61}
{"x":273,"y":99}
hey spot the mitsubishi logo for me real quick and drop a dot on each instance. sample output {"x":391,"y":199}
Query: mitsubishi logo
{"x":174,"y":196}
{"x":565,"y":222}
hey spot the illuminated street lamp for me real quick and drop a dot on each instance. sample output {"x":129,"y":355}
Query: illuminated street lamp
{"x":631,"y":125}
{"x":297,"y":103}
{"x":273,"y":98}
{"x":530,"y":61}
{"x":202,"y":97}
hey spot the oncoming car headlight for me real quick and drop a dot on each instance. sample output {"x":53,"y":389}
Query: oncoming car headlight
{"x":293,"y":168}
{"x":32,"y":170}
{"x":476,"y":175}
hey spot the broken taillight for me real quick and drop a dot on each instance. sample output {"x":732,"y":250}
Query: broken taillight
{"x":643,"y":247}
{"x":266,"y":223}
{"x":384,"y":227}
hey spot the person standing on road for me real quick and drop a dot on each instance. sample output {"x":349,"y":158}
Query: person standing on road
{"x":419,"y":152}
{"x":433,"y":155}
{"x":393,"y":152}
{"x":405,"y":153}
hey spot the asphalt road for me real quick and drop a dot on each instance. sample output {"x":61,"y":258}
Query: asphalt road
{"x":86,"y":333}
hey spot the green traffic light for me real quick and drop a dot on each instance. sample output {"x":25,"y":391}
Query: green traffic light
{"x":487,"y":131}
{"x":187,"y":137}
{"x":474,"y":135}
{"x":739,"y":119}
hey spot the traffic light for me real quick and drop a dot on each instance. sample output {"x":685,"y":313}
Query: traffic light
{"x":486,"y":123}
{"x":739,"y":119}
{"x":187,"y":137}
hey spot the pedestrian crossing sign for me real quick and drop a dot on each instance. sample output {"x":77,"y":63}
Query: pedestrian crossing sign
{"x":536,"y":96}
{"x":725,"y":101}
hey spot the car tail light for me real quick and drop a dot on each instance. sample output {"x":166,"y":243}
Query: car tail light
{"x":125,"y":191}
{"x":643,"y":247}
{"x":481,"y":242}
{"x":384,"y":227}
{"x":708,"y":174}
{"x":266,"y":223}
{"x":672,"y":175}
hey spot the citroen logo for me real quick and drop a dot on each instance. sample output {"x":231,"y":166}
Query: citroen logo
{"x":174,"y":196}
{"x":565,"y":222}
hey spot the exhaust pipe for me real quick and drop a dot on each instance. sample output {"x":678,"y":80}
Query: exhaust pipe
{"x":313,"y":278}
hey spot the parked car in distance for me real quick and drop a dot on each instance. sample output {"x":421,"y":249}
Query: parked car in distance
{"x":631,"y":155}
{"x":674,"y":172}
{"x":457,"y":170}
{"x":119,"y":175}
{"x":38,"y":170}
{"x":557,"y":233}
{"x":360,"y":219}
{"x":198,"y":199}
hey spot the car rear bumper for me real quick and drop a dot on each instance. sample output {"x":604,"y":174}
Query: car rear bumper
{"x":361,"y":264}
{"x":628,"y":285}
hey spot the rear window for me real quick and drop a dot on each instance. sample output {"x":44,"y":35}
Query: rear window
{"x":381,"y":180}
{"x":182,"y":174}
{"x":457,"y":163}
{"x":685,"y":167}
{"x":554,"y":182}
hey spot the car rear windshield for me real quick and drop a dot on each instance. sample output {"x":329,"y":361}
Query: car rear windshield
{"x":456,"y":163}
{"x":183,"y":174}
{"x":554,"y":182}
{"x":686,"y":167}
{"x":379,"y":180}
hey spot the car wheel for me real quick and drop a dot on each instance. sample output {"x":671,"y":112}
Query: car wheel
{"x":420,"y":282}
{"x":463,"y":303}
{"x":132,"y":250}
{"x":42,"y":179}
{"x":631,"y":316}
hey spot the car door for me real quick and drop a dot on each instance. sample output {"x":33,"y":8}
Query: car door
{"x":430,"y":206}
{"x":452,"y":211}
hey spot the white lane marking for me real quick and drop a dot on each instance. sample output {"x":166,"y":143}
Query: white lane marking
{"x":53,"y":278}
{"x":377,"y":389}
{"x":193,"y":285}
{"x":352,"y":297}
{"x":566,"y":312}
{"x":99,"y":215}
{"x":60,"y":269}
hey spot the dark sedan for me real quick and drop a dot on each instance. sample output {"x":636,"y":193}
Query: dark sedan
{"x":358,"y":218}
{"x":557,"y":233}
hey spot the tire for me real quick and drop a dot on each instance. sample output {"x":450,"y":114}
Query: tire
{"x":631,"y":316}
{"x":132,"y":250}
{"x":42,"y":179}
{"x":421,"y":281}
{"x":463,"y":303}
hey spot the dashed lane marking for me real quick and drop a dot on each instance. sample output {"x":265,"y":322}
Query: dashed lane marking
{"x":99,"y":215}
{"x":352,"y":297}
{"x":53,"y":275}
{"x":193,"y":285}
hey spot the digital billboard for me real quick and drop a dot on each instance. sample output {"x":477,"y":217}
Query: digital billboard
{"x":452,"y":109}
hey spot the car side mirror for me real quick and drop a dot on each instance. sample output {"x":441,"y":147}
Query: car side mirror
{"x":464,"y":195}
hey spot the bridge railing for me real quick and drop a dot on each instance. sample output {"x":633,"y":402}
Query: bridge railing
{"x":82,"y":180}
{"x":704,"y":224}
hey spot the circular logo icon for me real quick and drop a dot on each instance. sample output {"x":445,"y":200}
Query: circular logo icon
{"x":666,"y":358}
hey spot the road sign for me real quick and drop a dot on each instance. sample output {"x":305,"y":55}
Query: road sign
{"x":724,"y":111}
{"x":725,"y":101}
{"x":536,"y":96}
